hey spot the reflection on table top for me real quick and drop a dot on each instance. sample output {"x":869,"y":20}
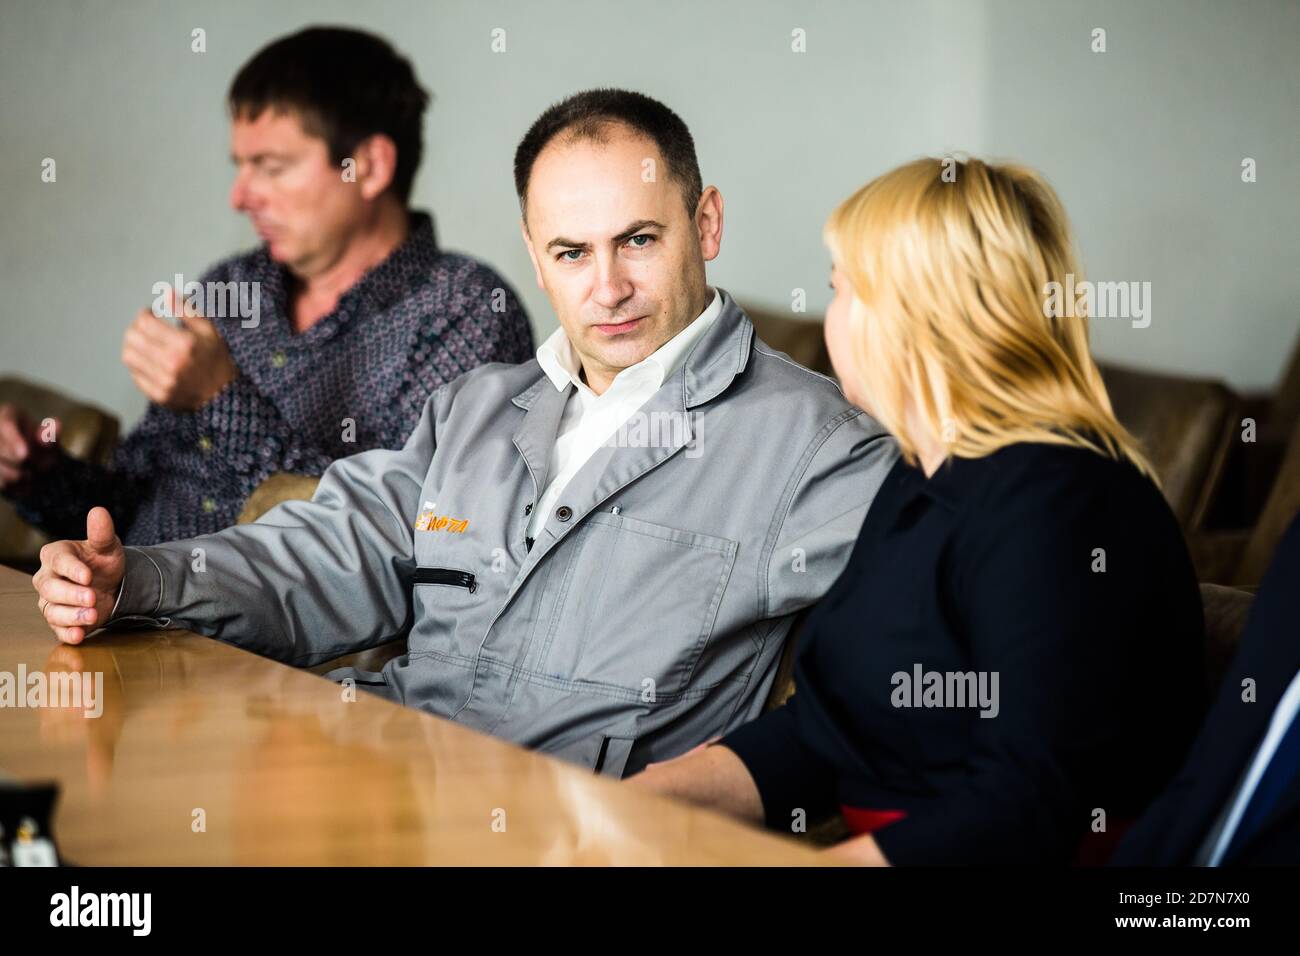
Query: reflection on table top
{"x":278,"y":768}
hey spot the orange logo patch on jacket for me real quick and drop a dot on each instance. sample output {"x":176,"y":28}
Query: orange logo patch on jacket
{"x":427,"y":520}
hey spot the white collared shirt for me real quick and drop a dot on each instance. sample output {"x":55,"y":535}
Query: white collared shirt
{"x":589,"y":419}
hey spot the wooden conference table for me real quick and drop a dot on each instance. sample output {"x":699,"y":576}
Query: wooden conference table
{"x":207,"y":754}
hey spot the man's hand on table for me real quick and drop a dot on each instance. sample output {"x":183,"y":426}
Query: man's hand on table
{"x":78,"y":581}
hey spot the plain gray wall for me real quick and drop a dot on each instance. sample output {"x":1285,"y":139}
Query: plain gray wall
{"x":1144,"y":143}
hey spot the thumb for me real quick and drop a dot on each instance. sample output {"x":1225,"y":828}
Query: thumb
{"x":100,"y":536}
{"x":189,"y":316}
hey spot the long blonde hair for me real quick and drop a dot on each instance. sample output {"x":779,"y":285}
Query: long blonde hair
{"x":950,"y":275}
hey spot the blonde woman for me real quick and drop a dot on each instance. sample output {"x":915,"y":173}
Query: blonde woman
{"x":1009,"y":667}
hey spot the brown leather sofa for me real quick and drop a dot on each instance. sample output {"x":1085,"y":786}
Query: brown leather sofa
{"x":280,"y":487}
{"x":87,"y":433}
{"x":1239,"y":556}
{"x":1186,"y":427}
{"x":1280,"y":507}
{"x":801,"y":339}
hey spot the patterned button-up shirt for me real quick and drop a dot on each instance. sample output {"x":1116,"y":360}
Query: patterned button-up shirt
{"x":357,"y":379}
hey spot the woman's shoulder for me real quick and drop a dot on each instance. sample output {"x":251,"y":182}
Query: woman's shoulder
{"x":1044,"y":512}
{"x":1042,"y":471}
{"x":1044,"y":487}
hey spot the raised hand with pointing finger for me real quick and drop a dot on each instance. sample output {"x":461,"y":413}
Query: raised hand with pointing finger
{"x":78,"y":581}
{"x":180,"y":368}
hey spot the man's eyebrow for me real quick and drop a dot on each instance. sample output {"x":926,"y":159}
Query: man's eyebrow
{"x":628,"y":233}
{"x":638,"y":226}
{"x":561,"y":242}
{"x":259,"y":157}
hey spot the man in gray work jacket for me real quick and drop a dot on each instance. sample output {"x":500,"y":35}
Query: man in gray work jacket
{"x":597,"y":553}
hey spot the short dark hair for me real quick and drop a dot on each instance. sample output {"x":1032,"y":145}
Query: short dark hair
{"x":345,"y":85}
{"x":589,"y":114}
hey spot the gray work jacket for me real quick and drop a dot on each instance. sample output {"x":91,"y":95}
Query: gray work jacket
{"x":648,"y":615}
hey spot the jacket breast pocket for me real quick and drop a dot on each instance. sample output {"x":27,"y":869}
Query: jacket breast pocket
{"x":446,"y":599}
{"x":452,"y":577}
{"x":638,"y":605}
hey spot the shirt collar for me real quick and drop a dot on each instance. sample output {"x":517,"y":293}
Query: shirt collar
{"x":405,"y":269}
{"x":560,"y":362}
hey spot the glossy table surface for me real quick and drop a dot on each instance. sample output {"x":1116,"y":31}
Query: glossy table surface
{"x":204,"y":754}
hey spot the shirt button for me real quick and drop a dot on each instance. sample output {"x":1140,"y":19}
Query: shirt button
{"x":528,"y":509}
{"x":278,"y":359}
{"x":209,"y":505}
{"x":205,"y":444}
{"x":564,"y":512}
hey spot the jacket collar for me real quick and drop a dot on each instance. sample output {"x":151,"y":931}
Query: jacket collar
{"x":712,"y":365}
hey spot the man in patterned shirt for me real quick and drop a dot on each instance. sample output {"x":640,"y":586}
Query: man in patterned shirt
{"x":359,"y":315}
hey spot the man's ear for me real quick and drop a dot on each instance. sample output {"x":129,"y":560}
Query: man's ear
{"x":528,"y":244}
{"x":708,"y":223}
{"x":376,"y":158}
